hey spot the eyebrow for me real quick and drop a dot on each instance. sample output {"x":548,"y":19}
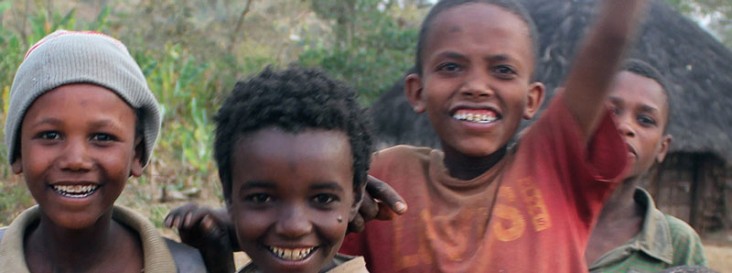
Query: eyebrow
{"x":648,"y":108}
{"x":253,"y":184}
{"x":333,"y":186}
{"x":491,"y":58}
{"x":498,"y":58}
{"x":643,"y":107}
{"x":44,"y":121}
{"x":616,"y":100}
{"x":95,"y":124}
{"x":451,"y":55}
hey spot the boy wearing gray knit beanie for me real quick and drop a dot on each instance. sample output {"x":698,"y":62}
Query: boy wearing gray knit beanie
{"x":81,"y":121}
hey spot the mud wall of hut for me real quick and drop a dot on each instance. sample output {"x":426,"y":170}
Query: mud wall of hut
{"x":694,"y":187}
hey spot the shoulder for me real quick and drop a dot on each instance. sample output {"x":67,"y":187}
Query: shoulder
{"x":187,"y":259}
{"x":681,"y":232}
{"x":400,"y":155}
{"x":687,"y":245}
{"x":403,"y":151}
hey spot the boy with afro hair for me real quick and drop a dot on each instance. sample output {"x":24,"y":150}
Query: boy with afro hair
{"x":293,"y":149}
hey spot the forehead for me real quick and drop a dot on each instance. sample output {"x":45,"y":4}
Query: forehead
{"x":97,"y":102}
{"x":493,"y":28}
{"x":310,"y":155}
{"x":632,"y":88}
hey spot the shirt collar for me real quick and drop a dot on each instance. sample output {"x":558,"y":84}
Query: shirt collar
{"x":654,"y":238}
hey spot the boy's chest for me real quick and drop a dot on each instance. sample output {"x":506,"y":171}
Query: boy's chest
{"x":513,"y":222}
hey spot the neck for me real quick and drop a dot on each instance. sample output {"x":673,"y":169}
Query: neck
{"x":622,"y":202}
{"x":73,"y":250}
{"x":468,"y":167}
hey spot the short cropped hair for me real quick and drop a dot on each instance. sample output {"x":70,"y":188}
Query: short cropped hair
{"x":646,"y":70}
{"x":443,"y":5}
{"x":293,"y":100}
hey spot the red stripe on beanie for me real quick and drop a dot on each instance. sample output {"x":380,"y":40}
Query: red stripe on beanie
{"x":63,"y":32}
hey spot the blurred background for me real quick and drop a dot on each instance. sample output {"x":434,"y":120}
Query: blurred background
{"x":193,"y":51}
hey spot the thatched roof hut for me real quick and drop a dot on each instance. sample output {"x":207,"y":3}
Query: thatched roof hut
{"x":698,"y":68}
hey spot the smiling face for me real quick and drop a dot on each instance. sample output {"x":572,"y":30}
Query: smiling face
{"x":292,"y":197}
{"x":641,"y":110}
{"x":77,"y":149}
{"x":476,"y":80}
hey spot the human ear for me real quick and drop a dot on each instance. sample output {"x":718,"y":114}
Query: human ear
{"x":357,"y":199}
{"x":534,"y":98}
{"x":17,"y":166}
{"x":414,"y":92}
{"x":136,"y":169}
{"x":663,"y":149}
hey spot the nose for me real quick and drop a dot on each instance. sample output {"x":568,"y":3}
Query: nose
{"x":293,"y":221}
{"x":477,"y":85}
{"x":625,"y":126}
{"x":75,"y":156}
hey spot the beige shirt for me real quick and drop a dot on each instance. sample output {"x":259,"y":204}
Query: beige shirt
{"x":345,"y":264}
{"x":156,"y":249}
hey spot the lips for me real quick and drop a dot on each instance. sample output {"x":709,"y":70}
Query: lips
{"x":75,"y":190}
{"x":631,"y":150}
{"x":291,"y":254}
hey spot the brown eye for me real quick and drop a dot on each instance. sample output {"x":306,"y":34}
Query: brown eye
{"x":324,"y":199}
{"x":504,"y":72}
{"x":102,"y":137}
{"x":49,"y":135}
{"x":449,"y":67}
{"x":646,"y":121}
{"x":258,"y":198}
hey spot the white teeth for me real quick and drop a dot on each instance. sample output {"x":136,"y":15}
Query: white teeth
{"x":290,"y":254}
{"x":75,"y":191}
{"x":478,"y":118}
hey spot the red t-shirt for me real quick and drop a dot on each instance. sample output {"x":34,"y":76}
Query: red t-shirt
{"x":550,"y":191}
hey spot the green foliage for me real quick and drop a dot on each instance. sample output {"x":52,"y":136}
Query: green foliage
{"x":14,"y":198}
{"x":180,"y":83}
{"x":372,"y":49}
{"x":717,"y":13}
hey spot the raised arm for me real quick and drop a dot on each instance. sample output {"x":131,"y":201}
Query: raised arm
{"x":602,"y":51}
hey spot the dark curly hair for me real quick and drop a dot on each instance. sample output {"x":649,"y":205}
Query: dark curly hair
{"x":294,"y":99}
{"x":510,"y":5}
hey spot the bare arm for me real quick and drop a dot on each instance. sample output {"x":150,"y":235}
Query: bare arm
{"x":590,"y":78}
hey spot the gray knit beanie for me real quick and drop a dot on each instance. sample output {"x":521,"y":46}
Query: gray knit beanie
{"x":66,"y":57}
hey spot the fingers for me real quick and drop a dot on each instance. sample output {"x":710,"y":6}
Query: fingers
{"x":357,"y":224}
{"x":380,"y":190}
{"x":210,"y":226}
{"x":369,"y":208}
{"x":175,"y":217}
{"x":190,"y":217}
{"x":384,"y":212}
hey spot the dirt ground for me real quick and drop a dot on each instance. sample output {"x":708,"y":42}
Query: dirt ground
{"x":720,"y":257}
{"x":718,"y":249}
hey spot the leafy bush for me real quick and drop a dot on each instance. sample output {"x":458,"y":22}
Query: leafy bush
{"x":372,"y":49}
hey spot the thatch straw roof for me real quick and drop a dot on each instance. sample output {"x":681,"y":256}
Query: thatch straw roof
{"x":698,"y":68}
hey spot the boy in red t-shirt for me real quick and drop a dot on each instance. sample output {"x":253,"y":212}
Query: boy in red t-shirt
{"x":478,"y":205}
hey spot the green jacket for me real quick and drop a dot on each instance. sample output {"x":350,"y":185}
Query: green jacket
{"x":664,"y":241}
